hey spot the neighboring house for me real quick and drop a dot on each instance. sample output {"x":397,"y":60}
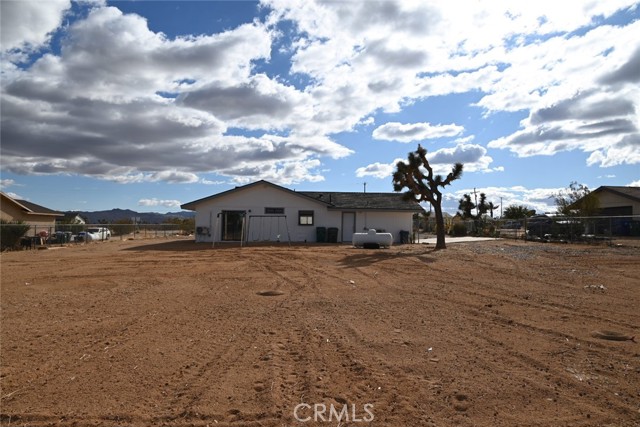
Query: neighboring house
{"x":618,"y":201}
{"x":72,"y":218}
{"x":262,"y":211}
{"x":621,"y":203}
{"x":21,"y":210}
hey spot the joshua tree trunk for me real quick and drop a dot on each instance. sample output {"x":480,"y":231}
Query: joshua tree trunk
{"x":425,"y":187}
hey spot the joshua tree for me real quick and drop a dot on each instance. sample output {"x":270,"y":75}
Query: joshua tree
{"x":466,"y":206}
{"x":482,"y":207}
{"x":492,"y":208}
{"x":417,"y":176}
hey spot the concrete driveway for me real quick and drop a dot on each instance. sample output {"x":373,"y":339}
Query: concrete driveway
{"x":432,"y":240}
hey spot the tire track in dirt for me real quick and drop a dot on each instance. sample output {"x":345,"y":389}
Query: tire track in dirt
{"x":349,"y":321}
{"x":564,"y":387}
{"x":312,"y":347}
{"x":199,"y":385}
{"x":528,"y":364}
{"x":371,"y":378}
{"x":497,"y":295}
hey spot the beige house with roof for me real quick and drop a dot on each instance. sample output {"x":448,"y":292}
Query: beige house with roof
{"x":21,"y":210}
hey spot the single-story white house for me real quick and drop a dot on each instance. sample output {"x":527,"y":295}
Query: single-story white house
{"x":263,"y":211}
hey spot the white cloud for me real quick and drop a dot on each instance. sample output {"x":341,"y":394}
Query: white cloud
{"x":410,"y":132}
{"x":158,"y":202}
{"x":378,"y":170}
{"x":594,"y":111}
{"x":624,"y":151}
{"x":125,"y":103}
{"x":473,"y":156}
{"x":174,"y":177}
{"x":634,"y":184}
{"x":540,"y":199}
{"x":28,"y":24}
{"x":15,"y":196}
{"x":4,"y":183}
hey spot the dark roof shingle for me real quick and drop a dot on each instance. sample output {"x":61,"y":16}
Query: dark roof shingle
{"x":628,"y":192}
{"x":363,"y":201}
{"x":37,"y":209}
{"x":334,"y":199}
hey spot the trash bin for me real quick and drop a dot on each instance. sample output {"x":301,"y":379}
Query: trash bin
{"x":321,"y":234}
{"x":332,"y":235}
{"x":404,"y":237}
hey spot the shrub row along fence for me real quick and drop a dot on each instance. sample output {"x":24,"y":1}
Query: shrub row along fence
{"x":24,"y":235}
{"x":549,"y":228}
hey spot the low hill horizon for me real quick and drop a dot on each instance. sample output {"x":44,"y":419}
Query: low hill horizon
{"x":114,"y":215}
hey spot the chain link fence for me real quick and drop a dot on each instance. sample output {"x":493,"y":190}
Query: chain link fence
{"x":30,"y":236}
{"x":547,"y":228}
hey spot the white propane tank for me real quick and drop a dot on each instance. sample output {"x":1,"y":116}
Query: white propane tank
{"x":382,"y":239}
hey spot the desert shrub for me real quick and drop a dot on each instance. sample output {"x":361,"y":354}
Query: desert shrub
{"x":11,"y":232}
{"x":459,"y":229}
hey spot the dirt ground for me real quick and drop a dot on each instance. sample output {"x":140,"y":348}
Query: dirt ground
{"x":169,"y":332}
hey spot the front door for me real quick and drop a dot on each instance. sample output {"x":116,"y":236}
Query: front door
{"x":348,"y":226}
{"x":232,"y":225}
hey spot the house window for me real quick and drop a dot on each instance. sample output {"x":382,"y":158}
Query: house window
{"x":274,"y":211}
{"x":305,"y":217}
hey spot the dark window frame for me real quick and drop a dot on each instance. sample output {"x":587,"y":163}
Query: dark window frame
{"x":308,"y":216}
{"x":273,"y":211}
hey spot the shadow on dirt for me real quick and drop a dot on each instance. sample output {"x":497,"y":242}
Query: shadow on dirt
{"x":192,"y":246}
{"x":181,"y":246}
{"x":371,"y":257}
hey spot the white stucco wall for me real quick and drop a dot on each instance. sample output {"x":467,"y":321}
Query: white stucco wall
{"x":254,"y":199}
{"x":390,"y":222}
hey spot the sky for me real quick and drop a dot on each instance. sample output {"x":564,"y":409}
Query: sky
{"x":146,"y":105}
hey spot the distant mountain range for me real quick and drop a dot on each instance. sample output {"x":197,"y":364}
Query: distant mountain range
{"x":114,"y":215}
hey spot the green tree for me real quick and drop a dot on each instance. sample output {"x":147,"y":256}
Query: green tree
{"x":11,"y":232}
{"x":517,"y":212}
{"x":576,"y":200}
{"x":417,"y":176}
{"x":186,"y":225}
{"x":123,"y":226}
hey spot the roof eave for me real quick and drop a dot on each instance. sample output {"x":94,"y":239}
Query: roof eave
{"x":616,"y":192}
{"x":356,"y":208}
{"x":191,"y":206}
{"x":44,"y":213}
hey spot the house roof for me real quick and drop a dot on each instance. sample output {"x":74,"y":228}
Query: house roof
{"x":333,"y":199}
{"x":32,"y":208}
{"x":632,"y":193}
{"x":363,"y":201}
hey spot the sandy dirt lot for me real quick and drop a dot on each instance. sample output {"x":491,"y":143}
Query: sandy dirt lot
{"x":169,"y":332}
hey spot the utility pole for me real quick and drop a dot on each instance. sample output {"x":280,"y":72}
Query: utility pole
{"x":365,"y":187}
{"x":475,"y":197}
